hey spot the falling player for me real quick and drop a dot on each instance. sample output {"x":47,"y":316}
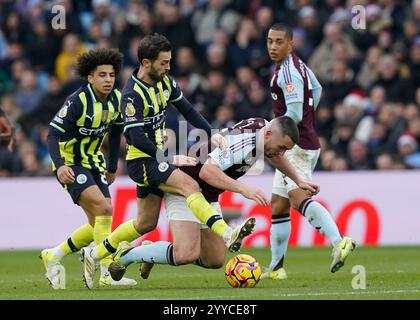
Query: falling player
{"x":193,"y":242}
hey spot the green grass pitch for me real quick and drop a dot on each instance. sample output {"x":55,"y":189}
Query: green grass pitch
{"x":391,"y":273}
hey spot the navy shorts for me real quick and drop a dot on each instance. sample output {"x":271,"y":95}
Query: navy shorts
{"x":149,"y":174}
{"x":84,"y":178}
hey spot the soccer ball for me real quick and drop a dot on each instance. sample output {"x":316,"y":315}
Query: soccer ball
{"x":243,"y":271}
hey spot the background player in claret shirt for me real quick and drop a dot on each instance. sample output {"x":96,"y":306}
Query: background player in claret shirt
{"x":296,"y":92}
{"x":144,"y":100}
{"x":193,"y":242}
{"x":75,"y":139}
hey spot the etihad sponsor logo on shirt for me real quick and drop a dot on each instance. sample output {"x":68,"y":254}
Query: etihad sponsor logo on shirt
{"x":156,"y":121}
{"x":93,"y":132}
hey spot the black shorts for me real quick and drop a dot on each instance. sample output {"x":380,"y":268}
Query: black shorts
{"x":149,"y":174}
{"x":84,"y":178}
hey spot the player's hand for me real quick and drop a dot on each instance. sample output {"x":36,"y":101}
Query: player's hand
{"x":256,"y":194}
{"x":311,"y":188}
{"x":65,"y":175}
{"x":180,"y":161}
{"x":219,"y":141}
{"x":110,"y":177}
{"x":7,"y":132}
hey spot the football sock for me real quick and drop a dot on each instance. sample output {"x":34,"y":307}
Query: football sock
{"x":320,"y":219}
{"x":101,"y":230}
{"x":279,"y":239}
{"x":81,"y":237}
{"x":124,"y":232}
{"x":160,"y":252}
{"x":205,"y":212}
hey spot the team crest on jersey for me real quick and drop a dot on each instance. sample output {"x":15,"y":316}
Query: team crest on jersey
{"x":81,"y":179}
{"x":290,"y":87}
{"x":130,"y":110}
{"x":274,"y":96}
{"x":163,"y":166}
{"x":166,"y":94}
{"x":63,"y":111}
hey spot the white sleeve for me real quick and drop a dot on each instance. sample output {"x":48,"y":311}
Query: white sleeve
{"x":239,"y":147}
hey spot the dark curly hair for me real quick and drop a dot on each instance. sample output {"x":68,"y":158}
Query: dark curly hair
{"x":89,"y":61}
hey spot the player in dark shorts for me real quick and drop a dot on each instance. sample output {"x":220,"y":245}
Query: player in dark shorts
{"x":76,"y":135}
{"x":295,"y":92}
{"x":193,"y":242}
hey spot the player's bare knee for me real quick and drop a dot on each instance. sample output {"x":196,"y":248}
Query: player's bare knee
{"x":189,"y":186}
{"x":278,"y":208}
{"x":100,"y":208}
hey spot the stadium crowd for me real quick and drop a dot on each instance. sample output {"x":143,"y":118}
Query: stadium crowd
{"x":368,"y":117}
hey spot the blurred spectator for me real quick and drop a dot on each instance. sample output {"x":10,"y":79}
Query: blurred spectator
{"x":207,"y":19}
{"x":340,"y":164}
{"x":257,"y":103}
{"x":384,"y":161}
{"x":50,"y":102}
{"x":42,"y":47}
{"x":408,"y":149}
{"x":28,"y":94}
{"x":216,"y":58}
{"x":359,"y":158}
{"x":339,"y":84}
{"x":224,"y":117}
{"x":322,"y":57}
{"x":396,"y":88}
{"x":71,"y":49}
{"x":214,"y":92}
{"x":245,"y":44}
{"x":372,"y":107}
{"x":414,"y":62}
{"x":369,"y":72}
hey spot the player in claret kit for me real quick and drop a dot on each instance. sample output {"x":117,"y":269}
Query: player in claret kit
{"x":295,"y":92}
{"x":193,"y":242}
{"x":76,"y":135}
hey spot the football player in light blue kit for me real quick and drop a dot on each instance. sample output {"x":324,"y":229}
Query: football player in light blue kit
{"x":296,"y":92}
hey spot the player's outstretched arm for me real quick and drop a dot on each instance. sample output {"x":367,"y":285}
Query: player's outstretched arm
{"x":214,"y":176}
{"x":281,"y":163}
{"x":197,"y":120}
